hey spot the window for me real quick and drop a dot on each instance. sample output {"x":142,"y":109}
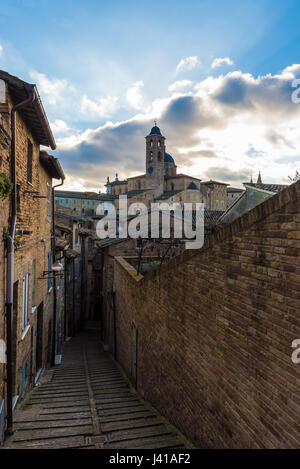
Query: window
{"x":49,"y":270}
{"x":222,"y":203}
{"x":217,"y":203}
{"x":24,"y":376}
{"x":159,"y":156}
{"x":67,"y":201}
{"x":33,"y":283}
{"x":25,"y":305}
{"x":29,"y":161}
{"x":74,"y":201}
{"x":93,"y":202}
{"x":48,"y":202}
{"x":83,"y":202}
{"x":76,"y":236}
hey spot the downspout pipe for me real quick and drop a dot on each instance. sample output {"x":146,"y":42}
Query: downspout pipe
{"x":54,"y":330}
{"x":10,"y":263}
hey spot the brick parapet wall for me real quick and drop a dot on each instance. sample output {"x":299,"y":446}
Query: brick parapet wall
{"x":215,"y":329}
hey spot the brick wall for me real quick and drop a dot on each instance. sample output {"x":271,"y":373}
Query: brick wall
{"x":32,"y":215}
{"x":215,"y":329}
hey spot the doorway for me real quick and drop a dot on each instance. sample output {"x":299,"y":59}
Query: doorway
{"x":39,"y":338}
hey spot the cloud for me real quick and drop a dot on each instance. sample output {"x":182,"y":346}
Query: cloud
{"x":180,"y":86}
{"x":53,"y":90}
{"x":224,"y":174}
{"x":188,"y":63}
{"x":221,"y":61}
{"x":134,"y":96}
{"x":59,"y":126}
{"x":103,"y":107}
{"x":239,"y":122}
{"x":1,"y":50}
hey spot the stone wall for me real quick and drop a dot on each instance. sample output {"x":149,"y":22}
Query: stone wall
{"x":215,"y":328}
{"x":34,"y":209}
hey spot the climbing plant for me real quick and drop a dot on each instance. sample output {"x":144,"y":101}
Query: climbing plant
{"x":6,"y":186}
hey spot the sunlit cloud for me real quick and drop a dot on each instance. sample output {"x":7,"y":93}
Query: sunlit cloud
{"x":181,"y":85}
{"x":103,"y":107}
{"x":188,"y":63}
{"x":53,"y":90}
{"x":227,"y":127}
{"x":221,"y":61}
{"x":134,"y":96}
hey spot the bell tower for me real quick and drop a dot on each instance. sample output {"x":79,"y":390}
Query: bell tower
{"x":155,"y":156}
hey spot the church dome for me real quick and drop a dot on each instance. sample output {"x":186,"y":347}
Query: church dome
{"x":155,"y":131}
{"x":168,"y":158}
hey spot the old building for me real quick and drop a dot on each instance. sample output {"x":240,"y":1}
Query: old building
{"x":233,"y":193}
{"x":79,"y":204}
{"x":161,"y":183}
{"x":27,"y":324}
{"x":253,"y":195}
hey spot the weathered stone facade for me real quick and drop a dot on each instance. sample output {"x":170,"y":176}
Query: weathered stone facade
{"x":214,"y":330}
{"x":32,"y":289}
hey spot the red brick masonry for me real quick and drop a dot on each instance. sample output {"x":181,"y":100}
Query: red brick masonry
{"x":215,"y":329}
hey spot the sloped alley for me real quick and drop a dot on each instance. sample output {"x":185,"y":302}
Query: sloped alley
{"x":87,"y":403}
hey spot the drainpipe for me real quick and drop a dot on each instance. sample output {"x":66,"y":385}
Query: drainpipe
{"x":10,"y":262}
{"x":54,"y":278}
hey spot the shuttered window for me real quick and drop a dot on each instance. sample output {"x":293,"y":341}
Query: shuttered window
{"x":49,"y":270}
{"x":29,"y":161}
{"x":25,"y":305}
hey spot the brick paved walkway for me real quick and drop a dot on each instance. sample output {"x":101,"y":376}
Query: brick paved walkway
{"x":87,"y":403}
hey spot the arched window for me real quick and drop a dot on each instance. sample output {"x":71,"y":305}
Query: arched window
{"x":159,"y":144}
{"x":151,"y":155}
{"x":159,"y":156}
{"x":139,"y":185}
{"x":151,"y":144}
{"x":172,"y":186}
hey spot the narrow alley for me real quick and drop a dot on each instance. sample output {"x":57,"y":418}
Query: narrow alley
{"x":87,"y":403}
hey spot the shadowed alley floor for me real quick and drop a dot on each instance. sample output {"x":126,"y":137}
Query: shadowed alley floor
{"x":86,"y":403}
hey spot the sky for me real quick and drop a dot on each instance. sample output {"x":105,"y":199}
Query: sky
{"x":219,"y":77}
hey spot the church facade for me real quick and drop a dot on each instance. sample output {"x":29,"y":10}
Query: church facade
{"x":161,"y":183}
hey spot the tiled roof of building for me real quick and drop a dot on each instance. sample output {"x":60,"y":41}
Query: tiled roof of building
{"x":84,"y":195}
{"x":51,"y":165}
{"x":211,"y":182}
{"x":60,"y":244}
{"x":167,"y":195}
{"x":176,"y":176}
{"x":135,"y":192}
{"x":234,"y":189}
{"x":267,"y":187}
{"x":34,"y":114}
{"x":71,"y":253}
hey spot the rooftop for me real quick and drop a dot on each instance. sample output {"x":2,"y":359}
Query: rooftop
{"x":34,"y":114}
{"x":211,"y":182}
{"x":84,"y":195}
{"x":51,"y":165}
{"x":267,"y":187}
{"x":234,"y":189}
